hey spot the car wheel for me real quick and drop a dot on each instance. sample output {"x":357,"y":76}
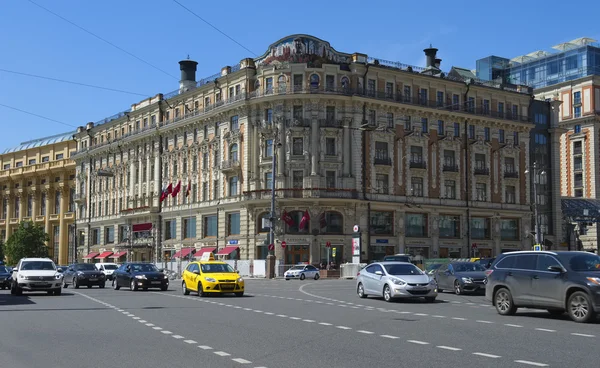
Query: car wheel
{"x":317,"y":276}
{"x":65,"y":285}
{"x":184,"y":289}
{"x":3,"y":287}
{"x":201,"y":290}
{"x":75,"y":283}
{"x":13,"y":290}
{"x":57,"y":292}
{"x":430,"y":299}
{"x":504,"y":302}
{"x":133,"y":286}
{"x":302,"y":277}
{"x":457,"y":289}
{"x":115,"y":285}
{"x":387,"y":293}
{"x":240,"y":294}
{"x":164,"y":288}
{"x":287,"y":279}
{"x":50,"y":292}
{"x":556,"y":312}
{"x":101,"y":285}
{"x":360,"y":290}
{"x":580,"y":308}
{"x":18,"y":290}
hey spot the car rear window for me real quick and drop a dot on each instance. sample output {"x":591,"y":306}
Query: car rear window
{"x":585,"y":262}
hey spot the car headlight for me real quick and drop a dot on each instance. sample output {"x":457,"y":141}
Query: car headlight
{"x":22,"y":277}
{"x":240,"y":279}
{"x":432,"y":282}
{"x":79,"y":273}
{"x":398,"y":281}
{"x":58,"y":276}
{"x":140,"y":277}
{"x":166,"y":277}
{"x":594,"y":280}
{"x":210,"y":279}
{"x":467,"y":280}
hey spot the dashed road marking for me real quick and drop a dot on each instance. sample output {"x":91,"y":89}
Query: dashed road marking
{"x":178,"y":337}
{"x":418,"y":342}
{"x":295,"y":318}
{"x":389,"y":337}
{"x":582,"y":335}
{"x":221,"y":353}
{"x":241,"y":361}
{"x":142,"y":321}
{"x":365,"y":332}
{"x":438,"y":316}
{"x":448,"y":348}
{"x":486,"y":355}
{"x":421,"y":314}
{"x":459,"y":318}
{"x":157,"y":328}
{"x":166,"y":332}
{"x":545,"y":330}
{"x":527,"y":362}
{"x":512,"y":325}
{"x":190,"y":341}
{"x":281,"y":315}
{"x":483,"y":321}
{"x":325,"y":324}
{"x":343,"y":327}
{"x":205,"y":347}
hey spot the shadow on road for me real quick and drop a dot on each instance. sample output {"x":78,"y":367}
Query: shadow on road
{"x":546,"y":315}
{"x":8,"y":299}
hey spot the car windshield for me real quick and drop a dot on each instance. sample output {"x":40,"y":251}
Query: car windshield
{"x":402,"y":269}
{"x":37,"y":265}
{"x":216,"y":268}
{"x":144,"y":268}
{"x":296,"y":268}
{"x":585,"y":262}
{"x":110,"y":267}
{"x":85,"y":267}
{"x":468,"y":267}
{"x":3,"y":269}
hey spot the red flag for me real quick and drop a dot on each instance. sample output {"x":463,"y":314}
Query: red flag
{"x":287,"y":218}
{"x":170,"y":188}
{"x":176,"y":189}
{"x":323,"y":220}
{"x":189,"y":188}
{"x":165,"y":192}
{"x":304,"y":221}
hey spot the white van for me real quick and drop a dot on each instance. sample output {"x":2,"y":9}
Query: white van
{"x":107,"y":269}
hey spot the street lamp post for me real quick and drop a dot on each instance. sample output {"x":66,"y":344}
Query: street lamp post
{"x":537,"y":171}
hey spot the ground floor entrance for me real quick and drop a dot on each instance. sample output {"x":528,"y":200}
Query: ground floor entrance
{"x":295,"y":254}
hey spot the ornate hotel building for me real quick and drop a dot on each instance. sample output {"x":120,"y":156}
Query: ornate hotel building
{"x":425,"y":163}
{"x":38,"y":184}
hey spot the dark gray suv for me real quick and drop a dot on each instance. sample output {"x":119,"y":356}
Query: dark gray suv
{"x":555,"y":281}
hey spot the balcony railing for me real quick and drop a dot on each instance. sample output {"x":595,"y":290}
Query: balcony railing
{"x":418,"y":165}
{"x":302,"y":193}
{"x":511,"y":174}
{"x":297,"y":123}
{"x":383,"y":161}
{"x":230,"y":165}
{"x":482,"y":171}
{"x":450,"y":167}
{"x":330,"y":123}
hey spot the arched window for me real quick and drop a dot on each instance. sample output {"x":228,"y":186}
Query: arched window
{"x":261,"y":226}
{"x":293,"y":225}
{"x":282,"y":83}
{"x":331,"y":222}
{"x":345,"y":83}
{"x":233,"y":152}
{"x":314,"y":81}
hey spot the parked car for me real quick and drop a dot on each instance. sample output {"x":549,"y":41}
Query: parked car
{"x":302,"y":272}
{"x":211,"y":277}
{"x":107,"y":269}
{"x":461,"y":277}
{"x":36,"y":274}
{"x":139,"y":275}
{"x":83,"y":274}
{"x":5,"y":277}
{"x":555,"y":281}
{"x":395,"y":280}
{"x":398,"y":258}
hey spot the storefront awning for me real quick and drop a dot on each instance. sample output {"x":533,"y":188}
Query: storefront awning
{"x":105,"y":254}
{"x":201,"y":251}
{"x":119,"y":254}
{"x":227,"y":250}
{"x":91,"y":255}
{"x":182,"y":253}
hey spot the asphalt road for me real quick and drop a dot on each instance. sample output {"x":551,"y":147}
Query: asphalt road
{"x":285,"y":324}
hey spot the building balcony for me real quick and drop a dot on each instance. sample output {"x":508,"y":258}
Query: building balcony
{"x":54,"y":217}
{"x":230,"y":165}
{"x":511,"y":174}
{"x":40,"y":218}
{"x":481,"y":171}
{"x":265,"y":194}
{"x":330,"y":123}
{"x":450,"y":168}
{"x":2,"y":223}
{"x":297,"y":123}
{"x":387,"y":161}
{"x":69,"y":216}
{"x":418,"y":165}
{"x":79,"y":197}
{"x":137,"y":211}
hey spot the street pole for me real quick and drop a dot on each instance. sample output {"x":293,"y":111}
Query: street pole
{"x":536,"y":223}
{"x":273,"y":173}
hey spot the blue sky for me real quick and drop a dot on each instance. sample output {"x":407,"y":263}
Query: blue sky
{"x":162,"y":33}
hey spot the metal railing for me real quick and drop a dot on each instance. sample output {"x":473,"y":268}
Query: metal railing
{"x":450,"y":168}
{"x":481,"y":171}
{"x":382,"y":161}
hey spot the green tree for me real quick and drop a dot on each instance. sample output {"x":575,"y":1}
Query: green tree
{"x":28,"y":241}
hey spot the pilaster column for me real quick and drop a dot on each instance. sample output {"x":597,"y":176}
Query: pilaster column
{"x":255,"y":155}
{"x":132,"y":180}
{"x":140,"y":177}
{"x":8,"y":200}
{"x":157,"y":183}
{"x":314,"y":145}
{"x":22,"y":206}
{"x":280,"y":150}
{"x":49,"y":194}
{"x":63,"y":247}
{"x":34,"y":204}
{"x":149,"y":175}
{"x":346,"y":151}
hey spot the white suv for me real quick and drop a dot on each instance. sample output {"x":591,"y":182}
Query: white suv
{"x":107,"y":269}
{"x":36,"y":274}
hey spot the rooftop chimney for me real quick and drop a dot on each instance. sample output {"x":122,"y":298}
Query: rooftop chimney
{"x":438,"y":62}
{"x":430,"y":53}
{"x":188,"y":75}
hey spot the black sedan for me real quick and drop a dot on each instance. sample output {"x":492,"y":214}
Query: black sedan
{"x":139,"y":276}
{"x":83,"y":274}
{"x":461,"y":277}
{"x":5,"y":277}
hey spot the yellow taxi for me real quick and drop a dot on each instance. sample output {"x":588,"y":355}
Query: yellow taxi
{"x":208,"y":276}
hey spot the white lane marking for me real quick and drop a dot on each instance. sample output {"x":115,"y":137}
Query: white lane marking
{"x":221,"y":353}
{"x":404,"y":312}
{"x":204,"y":347}
{"x":295,"y":318}
{"x":487,"y":355}
{"x":281,"y":315}
{"x":136,"y":318}
{"x":149,"y":324}
{"x":119,"y":310}
{"x":512,"y":325}
{"x":308,"y":320}
{"x":142,"y":321}
{"x":455,"y":302}
{"x":582,"y":335}
{"x":484,"y":305}
{"x":269,"y":313}
{"x":365,"y":332}
{"x":241,"y":361}
{"x":417,"y":342}
{"x":483,"y":321}
{"x":459,"y":318}
{"x":157,"y":328}
{"x":190,"y":341}
{"x":448,"y":348}
{"x":421,"y":314}
{"x":325,"y":324}
{"x":166,"y":332}
{"x":389,"y":337}
{"x":537,"y":364}
{"x":178,"y":337}
{"x":247,"y":309}
{"x":438,"y":316}
{"x":544,"y":330}
{"x":343,"y":327}
{"x":258,"y":311}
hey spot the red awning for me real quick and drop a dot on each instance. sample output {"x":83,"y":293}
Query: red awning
{"x":142,"y":227}
{"x":227,"y":250}
{"x":91,"y":255}
{"x":105,"y":254}
{"x":201,"y":251}
{"x":183,"y":253}
{"x":119,"y":254}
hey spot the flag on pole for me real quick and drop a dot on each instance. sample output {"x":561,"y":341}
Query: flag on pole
{"x":166,"y":192}
{"x":304,"y":221}
{"x":323,"y":220}
{"x":189,"y":188}
{"x":287,"y":218}
{"x":177,"y":189}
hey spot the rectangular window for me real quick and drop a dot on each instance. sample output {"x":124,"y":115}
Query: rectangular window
{"x":297,"y":179}
{"x":516,"y":138}
{"x":382,"y":223}
{"x":189,"y":228}
{"x":389,"y":90}
{"x":471,"y":104}
{"x":424,"y":125}
{"x":297,"y":146}
{"x":449,"y":226}
{"x":233,"y":223}
{"x":109,"y":235}
{"x":480,"y":228}
{"x":45,"y":158}
{"x":235,"y":125}
{"x":510,"y":194}
{"x":577,"y":129}
{"x":501,"y":109}
{"x":205,"y":191}
{"x":233,"y":186}
{"x":210,"y":226}
{"x":372,"y":117}
{"x":457,"y":129}
{"x":486,"y":107}
{"x":382,"y":183}
{"x":269,"y":116}
{"x":480,"y":192}
{"x":416,"y":186}
{"x":297,"y":112}
{"x":440,"y":127}
{"x":60,"y":156}
{"x":95,"y":236}
{"x":515,"y":112}
{"x":471,"y":131}
{"x":329,"y":179}
{"x":170,"y":229}
{"x":486,"y":134}
{"x":371,"y":87}
{"x":216,"y":189}
{"x":450,"y":189}
{"x":57,"y":199}
{"x":509,"y":165}
{"x":577,"y":111}
{"x":501,"y":135}
{"x":29,"y":205}
{"x":268,"y":180}
{"x":509,"y":229}
{"x":416,"y":225}
{"x":423,"y":96}
{"x":576,"y":98}
{"x":455,"y":102}
{"x":390,"y":119}
{"x":407,"y":94}
{"x":439,"y":100}
{"x":330,"y":147}
{"x":329,"y":83}
{"x":269,"y":148}
{"x":269,"y":86}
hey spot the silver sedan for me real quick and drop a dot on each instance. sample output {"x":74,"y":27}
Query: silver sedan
{"x":395,"y":280}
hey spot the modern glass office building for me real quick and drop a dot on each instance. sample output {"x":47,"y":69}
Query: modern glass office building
{"x":572,"y":60}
